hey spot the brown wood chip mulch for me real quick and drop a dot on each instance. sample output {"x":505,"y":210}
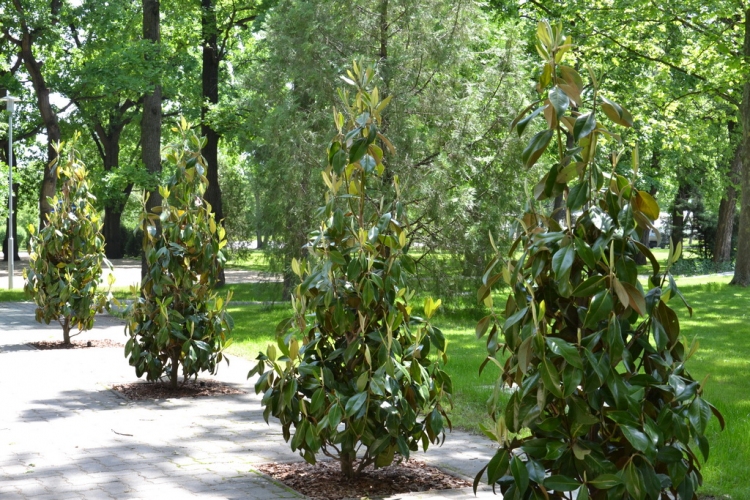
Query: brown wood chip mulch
{"x":75,"y":344}
{"x":138,"y":391}
{"x":324,"y":480}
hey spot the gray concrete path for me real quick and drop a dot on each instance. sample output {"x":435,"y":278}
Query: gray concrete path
{"x":65,"y":434}
{"x":128,"y":272}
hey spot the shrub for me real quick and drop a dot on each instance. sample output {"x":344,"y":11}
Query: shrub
{"x":698,"y":266}
{"x":133,"y":242}
{"x":179,"y":320}
{"x":66,"y":256}
{"x":597,"y":362}
{"x":353,"y":365}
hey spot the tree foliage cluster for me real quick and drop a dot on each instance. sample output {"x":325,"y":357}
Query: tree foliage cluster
{"x":179,"y":322}
{"x":354,"y":353}
{"x":66,"y":257}
{"x":596,"y":362}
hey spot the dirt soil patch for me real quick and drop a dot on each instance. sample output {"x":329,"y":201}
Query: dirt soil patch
{"x":138,"y":391}
{"x":75,"y":344}
{"x":324,"y":480}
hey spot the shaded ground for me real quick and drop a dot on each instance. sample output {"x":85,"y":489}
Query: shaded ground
{"x":76,"y":344}
{"x":65,"y":434}
{"x":137,"y":391}
{"x":324,"y":481}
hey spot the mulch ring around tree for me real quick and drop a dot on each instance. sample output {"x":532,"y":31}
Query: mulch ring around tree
{"x":75,"y":344}
{"x":324,"y":480}
{"x":139,"y":391}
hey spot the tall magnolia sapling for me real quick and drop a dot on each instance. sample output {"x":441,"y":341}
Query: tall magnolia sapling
{"x":603,"y":405}
{"x":354,"y":372}
{"x":179,"y":323}
{"x":67,"y":255}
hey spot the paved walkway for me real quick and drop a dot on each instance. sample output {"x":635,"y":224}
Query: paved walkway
{"x":64,"y":434}
{"x":128,"y":272}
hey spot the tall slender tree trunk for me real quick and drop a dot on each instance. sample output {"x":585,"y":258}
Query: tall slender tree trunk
{"x":10,"y":230}
{"x":210,"y":93}
{"x":151,"y":121}
{"x":678,"y":219}
{"x":51,"y":125}
{"x":742,"y":266}
{"x":115,"y":246}
{"x":728,"y":208}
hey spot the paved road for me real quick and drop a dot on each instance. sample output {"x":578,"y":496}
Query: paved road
{"x":64,"y":434}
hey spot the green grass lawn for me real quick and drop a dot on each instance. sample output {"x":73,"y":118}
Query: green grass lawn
{"x":252,"y":260}
{"x":722,"y":324}
{"x":12,"y":295}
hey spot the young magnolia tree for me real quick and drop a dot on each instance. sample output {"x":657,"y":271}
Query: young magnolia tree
{"x":179,"y":323}
{"x":603,"y":405}
{"x":66,"y":256}
{"x":354,"y":373}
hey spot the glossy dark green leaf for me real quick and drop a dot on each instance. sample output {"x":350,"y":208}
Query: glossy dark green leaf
{"x":562,"y":261}
{"x":536,"y":146}
{"x":590,"y":287}
{"x":584,"y":125}
{"x":340,"y":161}
{"x":559,"y":101}
{"x":551,"y":377}
{"x":566,"y":350}
{"x":355,"y":403}
{"x":515,"y":318}
{"x":520,"y":474}
{"x":637,"y":438}
{"x":498,"y":466}
{"x":579,"y":195}
{"x":605,"y":481}
{"x":521,"y":126}
{"x":634,"y":482}
{"x":358,"y":150}
{"x":600,"y":308}
{"x":558,"y":482}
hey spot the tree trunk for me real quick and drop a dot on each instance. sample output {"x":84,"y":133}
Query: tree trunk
{"x":678,"y":218}
{"x":347,"y":462}
{"x":13,"y":230}
{"x":115,"y":246}
{"x":66,"y":331}
{"x":742,"y":266}
{"x":210,"y":94}
{"x":51,"y":125}
{"x":175,"y":365}
{"x":727,"y":208}
{"x":259,"y":242}
{"x":151,"y":121}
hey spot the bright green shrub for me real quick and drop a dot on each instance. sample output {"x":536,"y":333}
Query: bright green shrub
{"x":179,"y":320}
{"x":66,"y":256}
{"x":603,"y":402}
{"x":353,"y":365}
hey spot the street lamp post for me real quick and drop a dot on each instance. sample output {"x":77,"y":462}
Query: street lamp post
{"x":10,"y":102}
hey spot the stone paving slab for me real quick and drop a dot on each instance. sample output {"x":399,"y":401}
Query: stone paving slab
{"x":65,"y":434}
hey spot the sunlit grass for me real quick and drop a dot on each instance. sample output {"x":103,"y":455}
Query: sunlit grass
{"x":251,"y":260}
{"x":13,"y":295}
{"x":254,"y":292}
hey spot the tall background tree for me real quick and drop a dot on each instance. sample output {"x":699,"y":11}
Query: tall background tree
{"x":447,"y":68}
